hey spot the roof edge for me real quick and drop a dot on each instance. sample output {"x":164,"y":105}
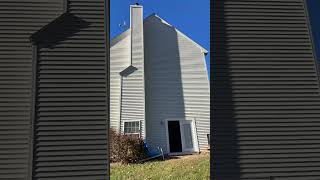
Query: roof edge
{"x":203,"y":50}
{"x":127,"y":32}
{"x":119,"y":37}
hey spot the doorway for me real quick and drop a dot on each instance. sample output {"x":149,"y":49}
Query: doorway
{"x":174,"y":136}
{"x":181,"y":136}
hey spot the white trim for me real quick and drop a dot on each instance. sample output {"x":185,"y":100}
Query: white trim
{"x":193,"y":129}
{"x":122,"y":128}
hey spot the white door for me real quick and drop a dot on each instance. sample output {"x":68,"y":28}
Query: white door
{"x":188,"y":136}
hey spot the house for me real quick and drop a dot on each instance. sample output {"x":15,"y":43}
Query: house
{"x":159,"y":87}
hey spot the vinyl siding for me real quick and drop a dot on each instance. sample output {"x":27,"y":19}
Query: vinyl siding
{"x":128,"y":91}
{"x":120,"y":58}
{"x":71,"y":119}
{"x":18,"y":20}
{"x":177,"y":83}
{"x":61,"y":81}
{"x":265,"y":113}
{"x":133,"y":95}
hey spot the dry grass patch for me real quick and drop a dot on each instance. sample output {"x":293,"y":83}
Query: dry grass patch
{"x":192,"y":167}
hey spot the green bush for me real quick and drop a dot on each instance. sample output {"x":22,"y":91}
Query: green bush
{"x":125,"y":148}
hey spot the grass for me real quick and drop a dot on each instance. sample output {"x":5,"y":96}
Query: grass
{"x":194,"y":167}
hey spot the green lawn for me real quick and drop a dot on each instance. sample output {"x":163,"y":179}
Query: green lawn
{"x":194,"y":167}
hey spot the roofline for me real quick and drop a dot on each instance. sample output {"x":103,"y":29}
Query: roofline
{"x":203,"y":50}
{"x":118,"y":38}
{"x":127,"y":32}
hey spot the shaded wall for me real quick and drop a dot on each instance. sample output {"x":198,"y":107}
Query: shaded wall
{"x":18,"y":21}
{"x":177,"y":85}
{"x":266,"y":113}
{"x":55,"y":115}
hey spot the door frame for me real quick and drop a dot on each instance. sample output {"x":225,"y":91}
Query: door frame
{"x":194,"y":135}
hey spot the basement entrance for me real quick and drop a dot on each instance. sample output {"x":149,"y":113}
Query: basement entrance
{"x":181,"y":136}
{"x":174,"y":136}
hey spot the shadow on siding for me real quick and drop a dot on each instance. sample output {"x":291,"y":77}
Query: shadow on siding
{"x":61,"y":29}
{"x":224,"y":137}
{"x":164,"y":91}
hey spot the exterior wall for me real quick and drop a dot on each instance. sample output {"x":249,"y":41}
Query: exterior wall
{"x":70,"y":125}
{"x":133,"y":95}
{"x":53,"y":92}
{"x":177,"y":83}
{"x":18,"y":20}
{"x":266,"y":113}
{"x":120,"y":58}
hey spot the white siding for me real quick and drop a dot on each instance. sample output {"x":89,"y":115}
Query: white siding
{"x":133,"y":96}
{"x":127,"y":99}
{"x":120,"y":54}
{"x":177,"y":84}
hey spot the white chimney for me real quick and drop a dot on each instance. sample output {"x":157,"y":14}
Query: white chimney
{"x":136,"y":26}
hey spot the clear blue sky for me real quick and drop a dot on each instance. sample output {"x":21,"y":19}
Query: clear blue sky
{"x":314,"y":12}
{"x":191,"y":17}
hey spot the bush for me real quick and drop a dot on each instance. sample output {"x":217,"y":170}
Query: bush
{"x":125,"y":148}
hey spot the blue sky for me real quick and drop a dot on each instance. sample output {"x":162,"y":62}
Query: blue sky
{"x":191,"y":17}
{"x":314,"y":13}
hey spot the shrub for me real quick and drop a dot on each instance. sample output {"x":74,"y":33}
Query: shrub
{"x":125,"y":148}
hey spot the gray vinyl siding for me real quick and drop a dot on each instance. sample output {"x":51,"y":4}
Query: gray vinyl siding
{"x":266,"y":98}
{"x":177,"y":85}
{"x":18,"y":20}
{"x":71,"y":120}
{"x":61,"y":81}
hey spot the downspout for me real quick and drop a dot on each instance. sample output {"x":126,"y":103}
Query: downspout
{"x":33,"y":107}
{"x":34,"y":47}
{"x":121,"y":89}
